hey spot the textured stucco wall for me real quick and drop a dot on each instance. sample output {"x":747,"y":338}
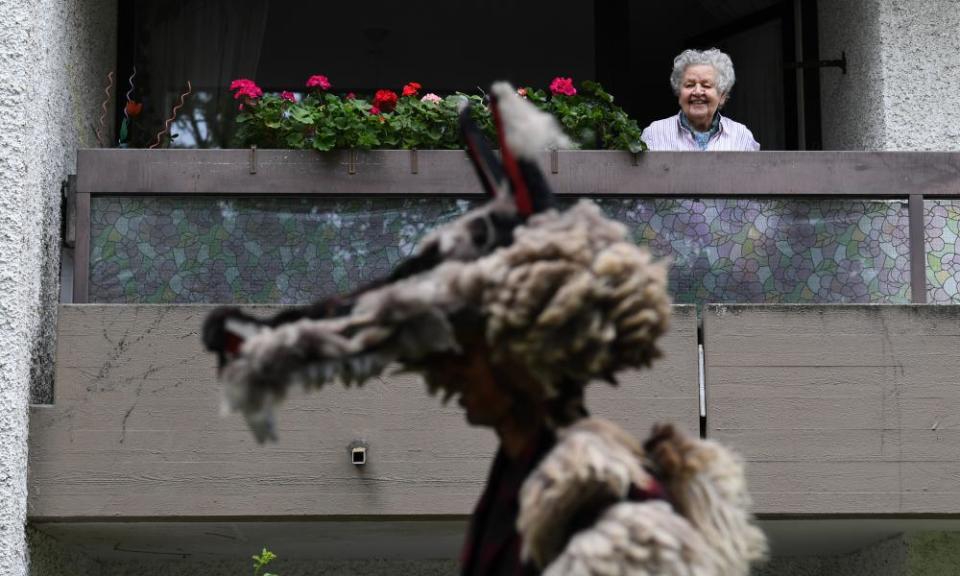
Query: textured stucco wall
{"x":50,"y":557}
{"x":317,"y":568}
{"x":921,"y":67}
{"x":921,"y":554}
{"x":790,"y":566}
{"x":53,"y":57}
{"x":933,"y":553}
{"x":885,"y":558}
{"x":903,"y":61}
{"x":850,"y":120}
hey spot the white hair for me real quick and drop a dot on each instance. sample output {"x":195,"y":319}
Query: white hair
{"x":720,"y":61}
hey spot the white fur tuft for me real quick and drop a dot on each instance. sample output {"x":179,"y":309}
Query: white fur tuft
{"x":528,"y":130}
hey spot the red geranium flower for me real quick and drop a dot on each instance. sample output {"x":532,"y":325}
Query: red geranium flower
{"x":133,"y":109}
{"x":374,"y":110}
{"x":385,"y":100}
{"x":411,"y":89}
{"x":350,"y":96}
{"x":318,"y":81}
{"x":287,"y":95}
{"x":563,"y":86}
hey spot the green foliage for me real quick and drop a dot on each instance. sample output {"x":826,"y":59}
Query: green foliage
{"x":591,"y":118}
{"x":324,"y":121}
{"x":261,"y":560}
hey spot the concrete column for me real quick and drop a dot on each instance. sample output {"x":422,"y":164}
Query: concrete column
{"x":903,"y":59}
{"x":54,"y":55}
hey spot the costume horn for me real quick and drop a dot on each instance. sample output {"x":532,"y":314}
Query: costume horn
{"x":524,"y":133}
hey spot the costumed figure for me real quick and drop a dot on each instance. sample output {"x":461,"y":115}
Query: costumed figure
{"x":515,"y":307}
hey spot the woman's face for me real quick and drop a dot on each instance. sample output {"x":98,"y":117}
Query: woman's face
{"x":699,"y":98}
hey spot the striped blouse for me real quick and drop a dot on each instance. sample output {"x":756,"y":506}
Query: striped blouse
{"x":669,"y":134}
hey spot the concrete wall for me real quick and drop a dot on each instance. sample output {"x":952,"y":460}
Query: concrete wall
{"x":54,"y":55}
{"x":907,"y":554}
{"x":318,"y":568}
{"x":837,"y":409}
{"x":50,"y":556}
{"x":850,"y":121}
{"x":885,"y":558}
{"x":933,"y":553}
{"x":903,"y":61}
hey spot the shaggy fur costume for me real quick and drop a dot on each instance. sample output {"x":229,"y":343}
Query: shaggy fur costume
{"x":707,"y":531}
{"x":572,"y":297}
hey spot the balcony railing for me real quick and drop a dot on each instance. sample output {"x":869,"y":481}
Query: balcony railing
{"x":282,"y":226}
{"x":839,"y":410}
{"x":844,"y":410}
{"x":136,"y":431}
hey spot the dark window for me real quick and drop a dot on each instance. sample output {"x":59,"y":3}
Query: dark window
{"x":460,"y":45}
{"x":463,"y":45}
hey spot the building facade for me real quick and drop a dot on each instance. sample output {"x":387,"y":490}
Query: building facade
{"x":902,"y":61}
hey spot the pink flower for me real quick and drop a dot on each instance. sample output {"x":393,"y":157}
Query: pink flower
{"x":431,"y":97}
{"x":351,"y":96}
{"x":287,"y":95}
{"x":375,"y":111}
{"x":241,"y":83}
{"x":318,"y":81}
{"x":522,"y":92}
{"x":563,"y":86}
{"x":411,"y":89}
{"x":243,"y":88}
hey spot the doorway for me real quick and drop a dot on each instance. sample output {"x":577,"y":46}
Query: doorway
{"x":636,"y":44}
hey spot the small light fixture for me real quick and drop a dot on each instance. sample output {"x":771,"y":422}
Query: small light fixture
{"x":358,"y":456}
{"x":358,"y":452}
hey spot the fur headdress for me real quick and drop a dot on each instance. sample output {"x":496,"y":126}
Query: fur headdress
{"x":566,"y":293}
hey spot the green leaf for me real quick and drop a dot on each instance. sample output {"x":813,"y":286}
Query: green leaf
{"x":302,"y":115}
{"x":295,"y":140}
{"x":327,"y":121}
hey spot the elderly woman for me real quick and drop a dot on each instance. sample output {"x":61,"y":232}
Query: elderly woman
{"x":702,"y":81}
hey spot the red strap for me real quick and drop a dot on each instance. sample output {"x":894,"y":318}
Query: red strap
{"x":233,"y":344}
{"x":521,"y":194}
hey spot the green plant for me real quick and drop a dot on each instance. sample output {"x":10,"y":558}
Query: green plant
{"x":323,"y":121}
{"x":591,"y":119}
{"x":261,"y":560}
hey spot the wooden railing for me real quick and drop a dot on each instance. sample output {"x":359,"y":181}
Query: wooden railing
{"x":910,"y":176}
{"x":136,"y":431}
{"x":839,"y":410}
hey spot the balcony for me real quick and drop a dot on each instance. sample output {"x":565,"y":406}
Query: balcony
{"x":845,"y":404}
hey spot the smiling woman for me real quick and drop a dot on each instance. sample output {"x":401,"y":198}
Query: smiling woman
{"x":702,"y":81}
